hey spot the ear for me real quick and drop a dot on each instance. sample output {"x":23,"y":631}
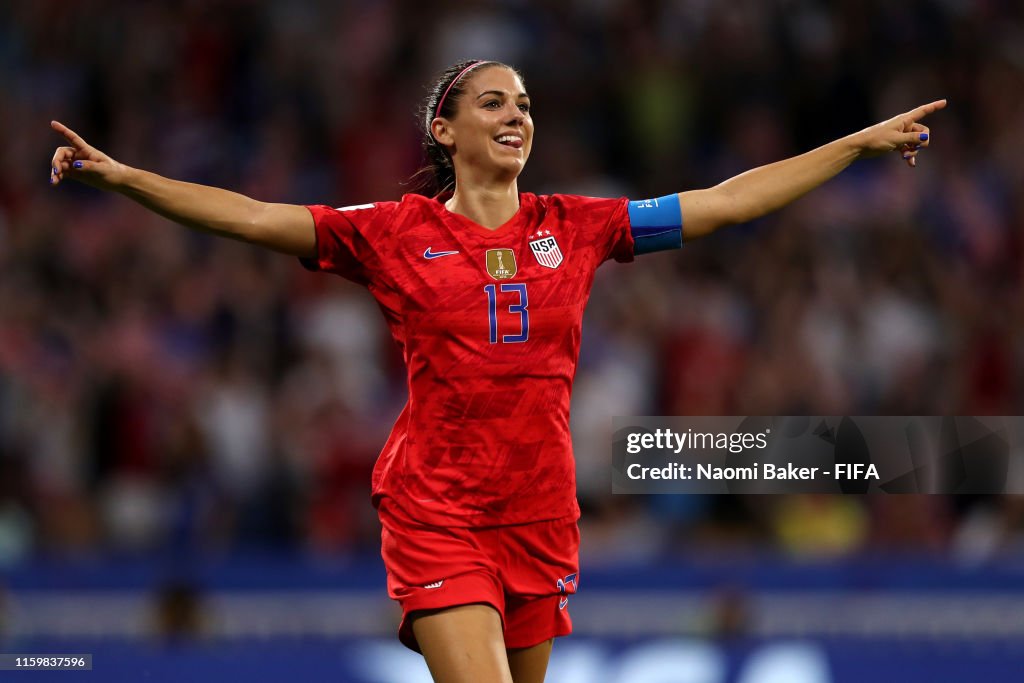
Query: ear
{"x":442,"y":132}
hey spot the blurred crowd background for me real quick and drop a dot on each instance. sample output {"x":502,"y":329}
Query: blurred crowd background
{"x":163,"y":391}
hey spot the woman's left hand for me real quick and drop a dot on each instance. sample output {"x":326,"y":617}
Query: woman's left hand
{"x":901,"y":133}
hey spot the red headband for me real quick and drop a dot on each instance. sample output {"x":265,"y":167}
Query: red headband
{"x":455,"y":80}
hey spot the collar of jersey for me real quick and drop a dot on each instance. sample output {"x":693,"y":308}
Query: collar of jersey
{"x":502,"y":231}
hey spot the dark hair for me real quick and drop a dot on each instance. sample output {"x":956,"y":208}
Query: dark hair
{"x":438,"y":175}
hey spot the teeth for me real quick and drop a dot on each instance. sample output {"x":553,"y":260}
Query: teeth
{"x":509,"y":138}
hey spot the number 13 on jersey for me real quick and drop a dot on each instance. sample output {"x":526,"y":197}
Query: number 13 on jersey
{"x":515,"y":307}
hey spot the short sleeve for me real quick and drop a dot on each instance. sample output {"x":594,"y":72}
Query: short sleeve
{"x":602,"y":224}
{"x":345,"y":239}
{"x":621,"y":248}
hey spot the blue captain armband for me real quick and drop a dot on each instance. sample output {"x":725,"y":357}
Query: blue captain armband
{"x":656,"y":224}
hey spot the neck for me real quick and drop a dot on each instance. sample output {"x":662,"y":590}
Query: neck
{"x":489,"y":206}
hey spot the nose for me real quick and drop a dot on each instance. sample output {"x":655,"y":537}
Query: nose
{"x":516,"y":117}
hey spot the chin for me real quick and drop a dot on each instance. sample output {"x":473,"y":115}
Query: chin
{"x":510,"y":168}
{"x":512,"y":163}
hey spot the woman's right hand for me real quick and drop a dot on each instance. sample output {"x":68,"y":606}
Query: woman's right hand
{"x":80,"y":161}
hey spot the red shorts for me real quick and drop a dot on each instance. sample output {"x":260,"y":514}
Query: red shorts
{"x":525,"y":571}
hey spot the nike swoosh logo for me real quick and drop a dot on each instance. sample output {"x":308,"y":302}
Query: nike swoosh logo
{"x":437,"y":254}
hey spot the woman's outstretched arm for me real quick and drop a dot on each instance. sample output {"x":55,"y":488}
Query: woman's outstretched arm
{"x":767,"y":188}
{"x":287,"y":228}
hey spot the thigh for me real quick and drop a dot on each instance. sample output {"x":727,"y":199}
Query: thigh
{"x":530,"y":664}
{"x":430,"y":569}
{"x":463,"y":644}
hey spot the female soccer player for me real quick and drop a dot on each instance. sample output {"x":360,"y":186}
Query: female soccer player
{"x":483,"y":288}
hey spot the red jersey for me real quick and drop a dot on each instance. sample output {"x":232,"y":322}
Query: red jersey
{"x":489,"y":324}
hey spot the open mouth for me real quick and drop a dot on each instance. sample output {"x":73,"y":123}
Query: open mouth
{"x":513,"y":141}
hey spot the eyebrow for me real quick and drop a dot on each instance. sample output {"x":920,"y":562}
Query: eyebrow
{"x":500,"y":93}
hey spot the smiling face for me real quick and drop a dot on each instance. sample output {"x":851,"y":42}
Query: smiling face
{"x":491,"y":134}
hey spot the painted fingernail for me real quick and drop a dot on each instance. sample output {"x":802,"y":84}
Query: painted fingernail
{"x":54,"y":168}
{"x":924,"y":136}
{"x":53,"y":179}
{"x":77,"y":164}
{"x":906,"y":156}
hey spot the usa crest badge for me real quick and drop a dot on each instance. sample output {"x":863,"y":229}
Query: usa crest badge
{"x":501,"y":263}
{"x":545,"y":249}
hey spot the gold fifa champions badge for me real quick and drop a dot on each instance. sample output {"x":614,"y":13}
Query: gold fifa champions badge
{"x":501,"y":263}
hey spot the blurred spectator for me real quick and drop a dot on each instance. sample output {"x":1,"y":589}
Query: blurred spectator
{"x":178,"y":613}
{"x":818,"y":526}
